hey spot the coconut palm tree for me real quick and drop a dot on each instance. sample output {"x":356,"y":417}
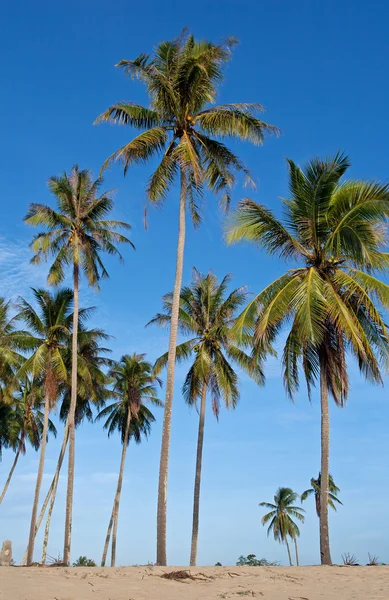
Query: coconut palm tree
{"x":25,"y":422}
{"x":333,"y":491}
{"x":75,"y":234}
{"x":11,"y":344}
{"x":281,"y":516}
{"x":206,"y":315}
{"x":50,"y":328}
{"x":335,"y":232}
{"x":134,"y":384}
{"x":92,"y":391}
{"x":182,"y":126}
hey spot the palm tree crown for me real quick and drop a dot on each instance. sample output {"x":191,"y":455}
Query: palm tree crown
{"x":181,"y":80}
{"x":333,"y":491}
{"x":134,"y":384}
{"x":335,"y":229}
{"x":78,"y":231}
{"x":207,"y":315}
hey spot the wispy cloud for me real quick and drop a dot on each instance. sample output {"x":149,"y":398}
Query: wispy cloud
{"x":17,"y":273}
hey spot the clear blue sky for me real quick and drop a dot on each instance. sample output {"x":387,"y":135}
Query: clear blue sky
{"x":320,"y":68}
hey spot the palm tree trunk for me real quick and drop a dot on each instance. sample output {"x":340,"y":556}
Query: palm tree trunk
{"x":325,"y":554}
{"x":71,"y":422}
{"x":10,"y":474}
{"x":52,"y":487}
{"x":288,"y":549}
{"x":164,"y":460}
{"x":196,"y":498}
{"x":31,"y":539}
{"x":108,"y":537}
{"x":119,"y":489}
{"x":297,"y":552}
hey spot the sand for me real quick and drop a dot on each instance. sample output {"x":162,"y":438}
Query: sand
{"x":209,"y":583}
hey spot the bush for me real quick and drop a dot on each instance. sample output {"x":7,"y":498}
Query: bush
{"x":251,"y":561}
{"x":83,"y":561}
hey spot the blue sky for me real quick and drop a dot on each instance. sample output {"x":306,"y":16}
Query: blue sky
{"x":319,"y":68}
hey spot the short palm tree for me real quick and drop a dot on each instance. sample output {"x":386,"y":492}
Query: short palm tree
{"x":50,"y":329}
{"x":25,"y":422}
{"x":333,"y":491}
{"x":92,"y":392}
{"x":280,"y":519}
{"x":75,"y":234}
{"x":206,"y":316}
{"x":184,"y":129}
{"x":133,"y":384}
{"x":336,"y":229}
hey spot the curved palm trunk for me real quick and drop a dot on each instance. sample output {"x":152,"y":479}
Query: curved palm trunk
{"x":71,"y":423}
{"x":325,"y":554}
{"x":297,"y":552}
{"x":52,"y":487}
{"x":288,"y":549}
{"x":196,"y":499}
{"x":113,"y":522}
{"x":119,"y":490}
{"x":31,"y":539}
{"x":164,"y":460}
{"x":10,"y":475}
{"x":108,"y":537}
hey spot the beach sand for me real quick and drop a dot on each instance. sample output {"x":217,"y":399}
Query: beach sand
{"x":209,"y":583}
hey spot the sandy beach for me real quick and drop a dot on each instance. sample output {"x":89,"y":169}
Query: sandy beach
{"x":207,"y":583}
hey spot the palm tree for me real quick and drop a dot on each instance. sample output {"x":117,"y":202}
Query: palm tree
{"x":75,"y":234}
{"x":180,"y":125}
{"x":92,"y":390}
{"x":50,"y":328}
{"x":333,"y":491}
{"x":281,"y":517}
{"x":206,"y":315}
{"x":25,"y":422}
{"x":134,"y":384}
{"x":11,"y":343}
{"x":336,"y":229}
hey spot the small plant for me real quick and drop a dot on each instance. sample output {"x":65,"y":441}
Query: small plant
{"x":373,"y":560}
{"x":218,"y":564}
{"x":251,"y":561}
{"x":350,"y":560}
{"x":83,"y":561}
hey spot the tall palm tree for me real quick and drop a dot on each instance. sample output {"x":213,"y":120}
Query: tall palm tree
{"x":333,"y":491}
{"x":50,"y":328}
{"x":25,"y":422}
{"x":336,"y":229}
{"x":76,"y":234}
{"x":206,"y":315}
{"x":281,"y":516}
{"x":92,"y":391}
{"x":134,"y":384}
{"x":184,"y":129}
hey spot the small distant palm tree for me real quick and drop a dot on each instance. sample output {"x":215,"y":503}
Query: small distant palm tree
{"x":335,"y":233}
{"x":76,"y":234}
{"x":281,"y":516}
{"x":83,"y":561}
{"x":133,"y":384}
{"x":333,"y":491}
{"x":50,"y":329}
{"x":206,"y":315}
{"x":184,"y":129}
{"x":25,"y":422}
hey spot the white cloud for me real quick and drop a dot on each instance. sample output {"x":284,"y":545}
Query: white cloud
{"x":17,"y":274}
